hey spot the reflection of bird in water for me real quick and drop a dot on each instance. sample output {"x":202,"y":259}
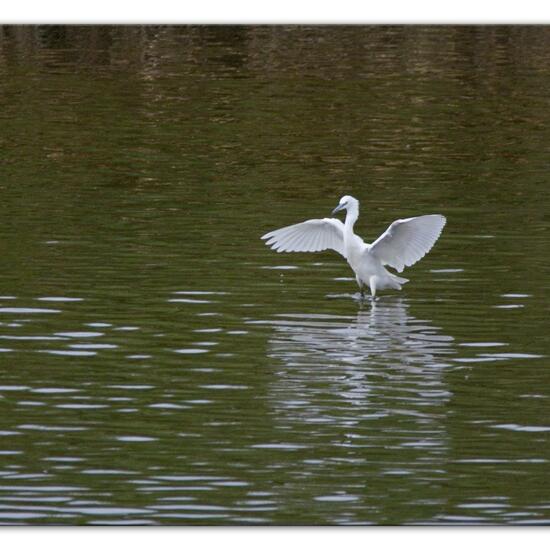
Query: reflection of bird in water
{"x":365,"y":398}
{"x":362,"y":395}
{"x":382,"y":332}
{"x":381,"y":350}
{"x":402,"y":244}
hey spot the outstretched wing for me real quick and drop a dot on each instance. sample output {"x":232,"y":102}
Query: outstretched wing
{"x":407,"y":241}
{"x":309,"y":236}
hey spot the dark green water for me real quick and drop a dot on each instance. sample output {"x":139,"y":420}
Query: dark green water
{"x":160,"y":365}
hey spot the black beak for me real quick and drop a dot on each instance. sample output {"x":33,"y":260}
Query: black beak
{"x":337,"y":209}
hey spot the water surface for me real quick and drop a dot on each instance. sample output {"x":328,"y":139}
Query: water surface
{"x":159,"y":365}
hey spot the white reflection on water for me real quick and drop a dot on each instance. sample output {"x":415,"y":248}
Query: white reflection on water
{"x":350,"y":370}
{"x":383,"y":332}
{"x":367,"y":390}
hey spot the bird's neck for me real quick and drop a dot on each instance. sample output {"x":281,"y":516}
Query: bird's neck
{"x":351,"y":218}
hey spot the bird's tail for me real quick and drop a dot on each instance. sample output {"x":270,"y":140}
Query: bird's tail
{"x":398,"y":281}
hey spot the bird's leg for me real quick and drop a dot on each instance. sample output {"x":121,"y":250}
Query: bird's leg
{"x":361,"y":286}
{"x":372,"y":284}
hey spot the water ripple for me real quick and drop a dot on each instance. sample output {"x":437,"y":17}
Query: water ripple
{"x":31,"y":310}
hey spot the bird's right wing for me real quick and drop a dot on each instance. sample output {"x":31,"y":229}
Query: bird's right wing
{"x":309,"y":236}
{"x":407,"y":241}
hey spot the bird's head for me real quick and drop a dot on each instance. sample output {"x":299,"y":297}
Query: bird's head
{"x":348,"y":203}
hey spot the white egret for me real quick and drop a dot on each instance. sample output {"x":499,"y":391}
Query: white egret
{"x":402,"y":244}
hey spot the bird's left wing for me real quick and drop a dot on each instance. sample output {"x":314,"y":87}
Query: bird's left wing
{"x":407,"y":241}
{"x":309,"y":236}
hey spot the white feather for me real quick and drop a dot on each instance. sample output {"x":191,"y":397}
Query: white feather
{"x":407,"y":241}
{"x":309,"y":236}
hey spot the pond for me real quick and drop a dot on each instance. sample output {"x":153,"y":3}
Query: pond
{"x":159,"y":365}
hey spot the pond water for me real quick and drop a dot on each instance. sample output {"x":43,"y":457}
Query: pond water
{"x":160,"y":365}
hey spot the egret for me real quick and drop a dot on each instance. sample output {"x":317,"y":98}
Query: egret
{"x":404,"y":243}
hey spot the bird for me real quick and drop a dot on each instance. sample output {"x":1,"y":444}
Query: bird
{"x":403,"y":244}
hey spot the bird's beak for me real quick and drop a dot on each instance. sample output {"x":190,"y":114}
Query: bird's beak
{"x":337,"y":209}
